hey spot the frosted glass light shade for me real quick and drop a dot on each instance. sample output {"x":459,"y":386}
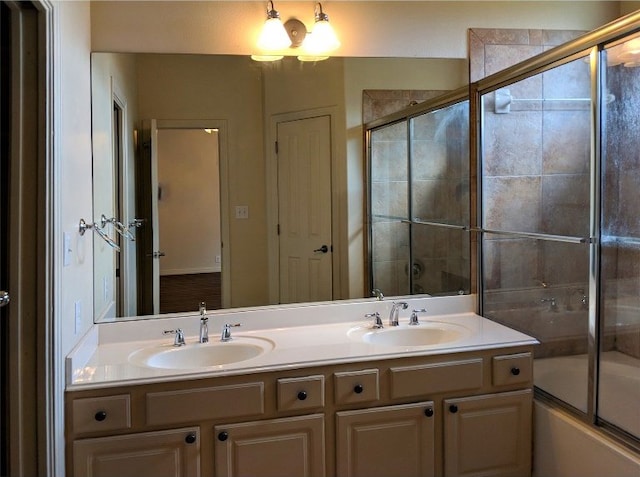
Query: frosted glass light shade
{"x":321,"y":40}
{"x":273,"y":36}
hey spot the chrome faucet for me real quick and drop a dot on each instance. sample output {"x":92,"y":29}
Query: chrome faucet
{"x":413,"y":321}
{"x":204,"y":323}
{"x":226,"y":331}
{"x":179,"y":339}
{"x":377,"y":321}
{"x":377,"y":293}
{"x":395,"y":310}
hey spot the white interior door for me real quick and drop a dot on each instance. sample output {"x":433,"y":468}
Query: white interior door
{"x":304,"y":204}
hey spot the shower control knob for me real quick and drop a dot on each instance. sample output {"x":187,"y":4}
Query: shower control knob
{"x":515,"y":371}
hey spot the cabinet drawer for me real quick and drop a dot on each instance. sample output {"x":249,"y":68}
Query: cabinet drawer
{"x":356,"y":386}
{"x":300,"y":393}
{"x":512,"y":369}
{"x":193,"y":405}
{"x":97,"y":414}
{"x":436,"y":378}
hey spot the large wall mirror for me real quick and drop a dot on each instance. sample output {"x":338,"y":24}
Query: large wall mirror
{"x":201,"y":202}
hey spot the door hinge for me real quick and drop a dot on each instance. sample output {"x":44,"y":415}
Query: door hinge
{"x":278,"y":229}
{"x":276,"y":147}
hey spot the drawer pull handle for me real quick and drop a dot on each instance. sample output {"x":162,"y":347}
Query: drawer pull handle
{"x":453,"y":408}
{"x":190,"y":439}
{"x":358,"y":388}
{"x":428,"y":412}
{"x":302,"y":395}
{"x":515,"y":371}
{"x":223,"y":436}
{"x":100,"y":416}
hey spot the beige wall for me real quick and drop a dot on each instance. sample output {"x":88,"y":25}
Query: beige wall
{"x":113,"y":77}
{"x":188,"y":87}
{"x":189,"y":206}
{"x":424,"y":29}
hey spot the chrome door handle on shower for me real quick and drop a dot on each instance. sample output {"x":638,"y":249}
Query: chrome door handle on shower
{"x":323,"y":249}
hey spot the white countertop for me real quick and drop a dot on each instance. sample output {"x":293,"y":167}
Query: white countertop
{"x":299,"y":336}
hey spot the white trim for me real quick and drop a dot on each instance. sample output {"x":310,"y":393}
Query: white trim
{"x":51,"y":362}
{"x":190,"y":271}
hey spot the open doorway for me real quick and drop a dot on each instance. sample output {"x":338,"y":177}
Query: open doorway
{"x":189,"y":222}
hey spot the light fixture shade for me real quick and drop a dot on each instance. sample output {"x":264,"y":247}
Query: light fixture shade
{"x":273,"y":36}
{"x":322,"y":39}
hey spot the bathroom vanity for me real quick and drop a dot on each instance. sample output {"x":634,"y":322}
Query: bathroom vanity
{"x":326,"y":397}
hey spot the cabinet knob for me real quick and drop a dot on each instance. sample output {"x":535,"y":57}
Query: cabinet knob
{"x":453,"y":408}
{"x":515,"y":371}
{"x":302,"y":395}
{"x":100,"y":416}
{"x":358,"y":388}
{"x":428,"y":412}
{"x":190,"y":439}
{"x":223,"y":436}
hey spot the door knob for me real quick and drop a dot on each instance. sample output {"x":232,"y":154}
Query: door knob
{"x":323,"y":249}
{"x":4,"y":298}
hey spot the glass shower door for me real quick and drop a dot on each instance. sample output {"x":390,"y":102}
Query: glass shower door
{"x":619,"y":370}
{"x":389,"y":209}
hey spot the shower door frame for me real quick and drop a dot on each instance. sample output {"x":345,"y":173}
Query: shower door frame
{"x":592,"y":44}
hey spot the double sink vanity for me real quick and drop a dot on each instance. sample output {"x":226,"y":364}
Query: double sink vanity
{"x":303,"y":390}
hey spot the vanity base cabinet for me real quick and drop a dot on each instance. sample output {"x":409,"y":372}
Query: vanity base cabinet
{"x":173,"y":453}
{"x":272,"y":448}
{"x":392,"y":441}
{"x":488,"y":435}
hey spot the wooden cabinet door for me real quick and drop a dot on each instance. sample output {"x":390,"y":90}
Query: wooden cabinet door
{"x":174,"y":453}
{"x":386,"y":441}
{"x":488,"y":435}
{"x":287,"y":447}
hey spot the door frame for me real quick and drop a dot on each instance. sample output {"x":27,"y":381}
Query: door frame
{"x":223,"y":165}
{"x":34,"y":447}
{"x":273,"y":239}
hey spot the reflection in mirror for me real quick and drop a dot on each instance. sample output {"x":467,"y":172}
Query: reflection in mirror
{"x":252,"y":105}
{"x":419,"y":202}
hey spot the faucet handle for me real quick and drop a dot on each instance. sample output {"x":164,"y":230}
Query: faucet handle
{"x":226,"y":331}
{"x":378,"y":321}
{"x":413,"y":321}
{"x":179,"y":339}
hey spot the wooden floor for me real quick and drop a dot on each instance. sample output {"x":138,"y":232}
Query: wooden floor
{"x":185,"y":292}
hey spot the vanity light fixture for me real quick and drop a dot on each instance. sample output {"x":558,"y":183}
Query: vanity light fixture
{"x":315,"y":45}
{"x":273,"y":36}
{"x":321,"y":40}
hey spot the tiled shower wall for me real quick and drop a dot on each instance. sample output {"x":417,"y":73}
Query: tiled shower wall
{"x":439,"y":185}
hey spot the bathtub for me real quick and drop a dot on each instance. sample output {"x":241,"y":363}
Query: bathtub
{"x":566,"y":377}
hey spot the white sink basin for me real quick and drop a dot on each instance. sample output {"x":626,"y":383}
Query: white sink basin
{"x":424,"y":334}
{"x":201,"y":355}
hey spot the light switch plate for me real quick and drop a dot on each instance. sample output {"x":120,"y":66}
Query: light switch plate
{"x":242,"y":211}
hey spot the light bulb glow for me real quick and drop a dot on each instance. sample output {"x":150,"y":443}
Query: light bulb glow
{"x":321,"y":40}
{"x":273,"y":36}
